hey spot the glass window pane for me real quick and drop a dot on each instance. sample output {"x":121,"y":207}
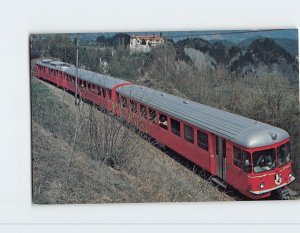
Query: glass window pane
{"x":163,"y":121}
{"x":247,"y":165}
{"x":264,"y":160}
{"x":124,"y":102}
{"x":202,"y":140}
{"x":143,"y":111}
{"x":283,"y":154}
{"x":217,"y":145}
{"x":133,"y":107}
{"x":152,"y":115}
{"x":99,"y":91}
{"x":188,"y":133}
{"x":237,"y":157}
{"x":175,"y":127}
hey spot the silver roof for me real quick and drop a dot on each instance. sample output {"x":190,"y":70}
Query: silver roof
{"x":95,"y":78}
{"x":241,"y":130}
{"x":47,"y":60}
{"x":58,"y":63}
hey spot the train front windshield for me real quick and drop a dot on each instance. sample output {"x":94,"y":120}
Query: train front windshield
{"x":283,"y":154}
{"x":264,"y":160}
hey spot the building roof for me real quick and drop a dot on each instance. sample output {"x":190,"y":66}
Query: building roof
{"x":147,"y":37}
{"x":241,"y":130}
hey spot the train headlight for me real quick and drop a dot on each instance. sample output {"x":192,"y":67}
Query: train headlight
{"x":291,"y":176}
{"x":262,"y":185}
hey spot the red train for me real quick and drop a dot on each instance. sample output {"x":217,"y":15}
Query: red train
{"x":251,"y":156}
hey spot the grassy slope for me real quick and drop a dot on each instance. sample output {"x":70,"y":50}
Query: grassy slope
{"x":153,"y":177}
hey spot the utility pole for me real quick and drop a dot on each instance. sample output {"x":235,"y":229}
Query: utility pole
{"x":76,"y":76}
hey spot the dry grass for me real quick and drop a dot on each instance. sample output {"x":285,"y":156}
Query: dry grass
{"x":63,"y":174}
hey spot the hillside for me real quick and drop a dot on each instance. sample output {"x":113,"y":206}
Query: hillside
{"x":265,"y":54}
{"x":253,"y":56}
{"x":289,"y":45}
{"x":64,"y":173}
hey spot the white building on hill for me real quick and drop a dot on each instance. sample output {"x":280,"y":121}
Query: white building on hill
{"x":144,"y":43}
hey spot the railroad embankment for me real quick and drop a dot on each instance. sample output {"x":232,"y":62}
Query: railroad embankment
{"x":67,"y":168}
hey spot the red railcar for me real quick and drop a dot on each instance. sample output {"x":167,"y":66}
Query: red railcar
{"x":251,"y":156}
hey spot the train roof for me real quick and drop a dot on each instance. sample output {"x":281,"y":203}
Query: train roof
{"x":47,"y":60}
{"x":241,"y":130}
{"x":95,"y":78}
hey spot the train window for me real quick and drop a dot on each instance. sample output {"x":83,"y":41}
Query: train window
{"x":237,"y":157}
{"x":84,"y":84}
{"x":118,"y":97}
{"x":264,"y":160}
{"x":152,"y":115}
{"x":283,"y":154}
{"x":143,"y":111}
{"x":224,"y":148}
{"x":99,"y":91}
{"x":104,"y":93}
{"x":163,"y":121}
{"x":133,"y":107}
{"x":247,"y":167}
{"x":175,"y":127}
{"x":109,"y":94}
{"x":217,"y":145}
{"x":202,"y":139}
{"x":124,"y":102}
{"x":189,"y":133}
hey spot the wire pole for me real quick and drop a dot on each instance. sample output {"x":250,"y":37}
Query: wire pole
{"x":76,"y":76}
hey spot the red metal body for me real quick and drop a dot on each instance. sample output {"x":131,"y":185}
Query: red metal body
{"x":247,"y":183}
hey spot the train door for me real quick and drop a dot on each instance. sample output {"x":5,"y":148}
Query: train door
{"x":221,"y":157}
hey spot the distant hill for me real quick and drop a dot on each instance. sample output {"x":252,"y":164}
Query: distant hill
{"x":254,"y":55}
{"x":265,"y":53}
{"x":290,"y":45}
{"x":233,"y":36}
{"x":219,"y":51}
